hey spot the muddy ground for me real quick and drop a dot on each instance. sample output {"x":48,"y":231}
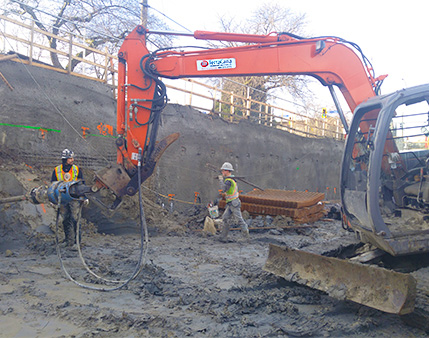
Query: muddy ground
{"x":192,"y":285}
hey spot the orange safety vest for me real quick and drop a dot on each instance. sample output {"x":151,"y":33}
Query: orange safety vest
{"x":232,"y":192}
{"x":69,"y":176}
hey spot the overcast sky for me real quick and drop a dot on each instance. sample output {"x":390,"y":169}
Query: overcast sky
{"x":392,"y":34}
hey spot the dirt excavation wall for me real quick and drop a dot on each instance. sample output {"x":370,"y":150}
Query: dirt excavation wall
{"x":43,"y":112}
{"x":267,"y":157}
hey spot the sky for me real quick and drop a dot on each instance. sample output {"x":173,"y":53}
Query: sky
{"x":390,"y":33}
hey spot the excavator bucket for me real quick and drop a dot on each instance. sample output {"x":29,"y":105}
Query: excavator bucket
{"x":375,"y":287}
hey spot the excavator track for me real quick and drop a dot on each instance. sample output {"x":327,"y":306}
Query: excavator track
{"x":420,"y":316}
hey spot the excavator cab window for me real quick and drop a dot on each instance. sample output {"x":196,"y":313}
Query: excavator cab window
{"x":385,"y":173}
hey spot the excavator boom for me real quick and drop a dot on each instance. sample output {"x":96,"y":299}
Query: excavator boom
{"x":142,"y":95}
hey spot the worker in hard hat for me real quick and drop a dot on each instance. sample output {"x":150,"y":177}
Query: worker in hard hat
{"x":233,"y":205}
{"x":68,"y":171}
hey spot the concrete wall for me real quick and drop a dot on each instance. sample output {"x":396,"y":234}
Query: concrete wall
{"x":267,"y":157}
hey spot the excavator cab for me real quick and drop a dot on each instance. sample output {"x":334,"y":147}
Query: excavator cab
{"x":385,"y":198}
{"x":385,"y":172}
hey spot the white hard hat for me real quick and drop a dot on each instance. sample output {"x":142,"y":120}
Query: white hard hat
{"x":227,"y":166}
{"x":67,"y":154}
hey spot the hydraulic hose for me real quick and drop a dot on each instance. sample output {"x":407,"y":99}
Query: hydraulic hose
{"x":144,"y":237}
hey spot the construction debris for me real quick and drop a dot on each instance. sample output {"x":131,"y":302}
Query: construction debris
{"x":209,"y":226}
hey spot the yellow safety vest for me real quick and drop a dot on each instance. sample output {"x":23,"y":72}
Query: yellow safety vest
{"x":232,"y":192}
{"x":69,"y":176}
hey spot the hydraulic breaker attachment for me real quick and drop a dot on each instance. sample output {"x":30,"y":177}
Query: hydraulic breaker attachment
{"x":123,"y":181}
{"x":148,"y":168}
{"x":375,"y":287}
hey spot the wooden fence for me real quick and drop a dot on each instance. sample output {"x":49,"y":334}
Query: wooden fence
{"x":76,"y":57}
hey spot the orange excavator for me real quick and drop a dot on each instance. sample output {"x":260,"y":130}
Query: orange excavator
{"x":384,"y":179}
{"x":385,"y":170}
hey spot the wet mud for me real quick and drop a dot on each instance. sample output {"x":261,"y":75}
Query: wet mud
{"x":192,"y":285}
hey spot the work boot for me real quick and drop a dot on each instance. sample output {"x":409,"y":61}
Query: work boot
{"x":69,"y":234}
{"x":245,"y":233}
{"x":225,"y":230}
{"x":223,"y":239}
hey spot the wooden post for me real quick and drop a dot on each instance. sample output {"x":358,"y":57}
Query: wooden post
{"x":214,"y":99}
{"x":106,"y":65}
{"x":112,"y":70}
{"x":190,"y":94}
{"x":337,"y":134}
{"x":70,"y":54}
{"x":232,"y":106}
{"x":248,"y":103}
{"x":31,"y":42}
{"x":220,"y":105}
{"x":266,"y":114}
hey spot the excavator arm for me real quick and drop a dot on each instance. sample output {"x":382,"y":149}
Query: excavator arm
{"x":142,"y":95}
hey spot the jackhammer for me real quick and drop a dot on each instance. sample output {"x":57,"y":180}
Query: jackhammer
{"x":58,"y":192}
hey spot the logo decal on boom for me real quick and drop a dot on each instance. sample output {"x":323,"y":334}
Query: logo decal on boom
{"x":216,"y":64}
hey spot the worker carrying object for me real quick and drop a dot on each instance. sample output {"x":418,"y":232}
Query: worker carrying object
{"x":67,"y":172}
{"x":233,"y":205}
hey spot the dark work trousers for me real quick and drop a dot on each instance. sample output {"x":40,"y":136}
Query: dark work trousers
{"x":233,"y":210}
{"x":70,"y":212}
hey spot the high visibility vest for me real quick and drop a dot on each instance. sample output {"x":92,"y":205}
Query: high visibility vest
{"x":232,"y":192}
{"x":69,"y":176}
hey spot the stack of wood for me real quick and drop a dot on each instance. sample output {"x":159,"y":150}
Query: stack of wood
{"x":301,"y":206}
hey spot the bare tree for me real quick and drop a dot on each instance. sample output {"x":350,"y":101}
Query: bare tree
{"x":103,"y":23}
{"x":266,"y":19}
